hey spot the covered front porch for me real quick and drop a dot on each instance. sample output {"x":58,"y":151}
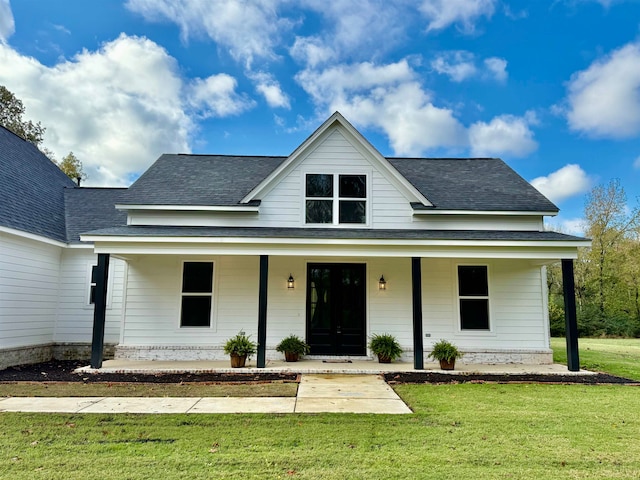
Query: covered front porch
{"x":419,"y":302}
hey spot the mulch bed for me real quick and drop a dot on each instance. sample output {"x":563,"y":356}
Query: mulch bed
{"x":435,"y":377}
{"x":63,"y":371}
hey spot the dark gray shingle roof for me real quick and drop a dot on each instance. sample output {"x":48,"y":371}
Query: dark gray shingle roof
{"x":200,"y":179}
{"x":333,"y":233}
{"x":91,"y":209}
{"x":31,"y":189}
{"x":450,"y":184}
{"x":472,"y":184}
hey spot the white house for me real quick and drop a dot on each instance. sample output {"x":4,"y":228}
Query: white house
{"x":333,"y":243}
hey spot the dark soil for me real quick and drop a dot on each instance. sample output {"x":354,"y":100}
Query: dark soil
{"x":63,"y":371}
{"x":435,"y":377}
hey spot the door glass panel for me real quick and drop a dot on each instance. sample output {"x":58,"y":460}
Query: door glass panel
{"x":319,"y":298}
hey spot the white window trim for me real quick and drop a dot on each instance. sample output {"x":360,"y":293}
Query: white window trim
{"x":89,"y":284}
{"x":336,"y":198}
{"x":472,"y":332}
{"x":212,"y":316}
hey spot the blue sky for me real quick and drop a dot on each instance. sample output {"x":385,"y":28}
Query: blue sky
{"x":552,"y":87}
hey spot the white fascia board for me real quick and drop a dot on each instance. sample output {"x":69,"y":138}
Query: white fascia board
{"x":192,"y":208}
{"x":383,"y":243}
{"x":264,"y":186}
{"x":32,"y":236}
{"x":548,"y":253}
{"x":483,"y":212}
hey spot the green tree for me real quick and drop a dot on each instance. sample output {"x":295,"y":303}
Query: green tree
{"x":11,"y":111}
{"x":609,"y":223}
{"x":72,"y":167}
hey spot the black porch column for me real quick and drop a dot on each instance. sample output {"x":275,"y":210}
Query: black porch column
{"x":416,"y":283}
{"x":571,"y":322}
{"x":262,"y":311}
{"x":100,"y":276}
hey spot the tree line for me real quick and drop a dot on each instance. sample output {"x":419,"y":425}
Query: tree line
{"x":11,"y":117}
{"x":607,"y":275}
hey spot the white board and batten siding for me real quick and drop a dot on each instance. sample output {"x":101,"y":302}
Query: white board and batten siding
{"x":29,"y":281}
{"x":75,"y":314}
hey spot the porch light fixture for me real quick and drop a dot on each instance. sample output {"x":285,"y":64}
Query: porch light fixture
{"x":290,"y":282}
{"x":382,"y":283}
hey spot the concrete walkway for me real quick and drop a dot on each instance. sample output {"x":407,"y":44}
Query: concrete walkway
{"x":316,"y":394}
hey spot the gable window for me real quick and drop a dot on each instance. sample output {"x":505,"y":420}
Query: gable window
{"x":197,"y":294}
{"x":335,"y":199}
{"x":473,"y":296}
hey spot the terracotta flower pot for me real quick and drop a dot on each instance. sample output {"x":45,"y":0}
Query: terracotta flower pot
{"x":238,"y":361}
{"x":291,"y":356}
{"x":446,"y":365}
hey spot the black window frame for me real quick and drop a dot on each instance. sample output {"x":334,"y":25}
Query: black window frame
{"x":196,"y":294}
{"x":478,"y":318}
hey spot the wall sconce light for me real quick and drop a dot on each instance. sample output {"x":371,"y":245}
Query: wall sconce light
{"x":290,"y":282}
{"x":382,"y":283}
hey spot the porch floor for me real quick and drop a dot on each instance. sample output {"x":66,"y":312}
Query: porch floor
{"x":310,"y":366}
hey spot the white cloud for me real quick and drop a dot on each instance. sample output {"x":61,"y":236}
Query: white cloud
{"x":567,"y":182}
{"x":464,"y":13}
{"x":604,"y":99}
{"x":636,"y":164}
{"x":497,"y":68}
{"x":459,"y":65}
{"x":311,"y":51}
{"x":386,"y":97}
{"x":503,"y":135}
{"x":248,"y":29}
{"x":270,"y":89}
{"x":356,"y":27}
{"x":7,"y":25}
{"x":117,"y":108}
{"x":215,"y":96}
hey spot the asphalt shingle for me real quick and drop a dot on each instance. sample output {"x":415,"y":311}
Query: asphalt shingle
{"x":31,"y":189}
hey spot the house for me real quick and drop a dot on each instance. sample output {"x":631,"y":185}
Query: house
{"x":333,"y":243}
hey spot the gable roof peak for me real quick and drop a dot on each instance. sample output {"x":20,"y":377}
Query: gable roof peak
{"x":337,"y":119}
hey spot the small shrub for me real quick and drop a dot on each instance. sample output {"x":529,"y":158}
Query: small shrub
{"x":293,"y":344}
{"x":385,"y":346}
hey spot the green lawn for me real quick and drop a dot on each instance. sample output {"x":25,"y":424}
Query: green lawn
{"x":470,"y":431}
{"x":615,"y":356}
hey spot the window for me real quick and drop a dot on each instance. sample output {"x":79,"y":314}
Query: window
{"x":335,"y":199}
{"x":473,"y":293}
{"x":197,"y":294}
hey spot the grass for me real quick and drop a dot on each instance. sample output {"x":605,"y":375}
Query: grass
{"x":615,"y":356}
{"x":77,"y":389}
{"x":485,"y":431}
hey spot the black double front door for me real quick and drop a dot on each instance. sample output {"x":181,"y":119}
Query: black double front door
{"x":336,"y":294}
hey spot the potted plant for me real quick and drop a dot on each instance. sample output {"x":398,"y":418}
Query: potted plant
{"x":385,"y":346}
{"x":446,"y":353}
{"x":239,"y":347}
{"x":292,"y":347}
